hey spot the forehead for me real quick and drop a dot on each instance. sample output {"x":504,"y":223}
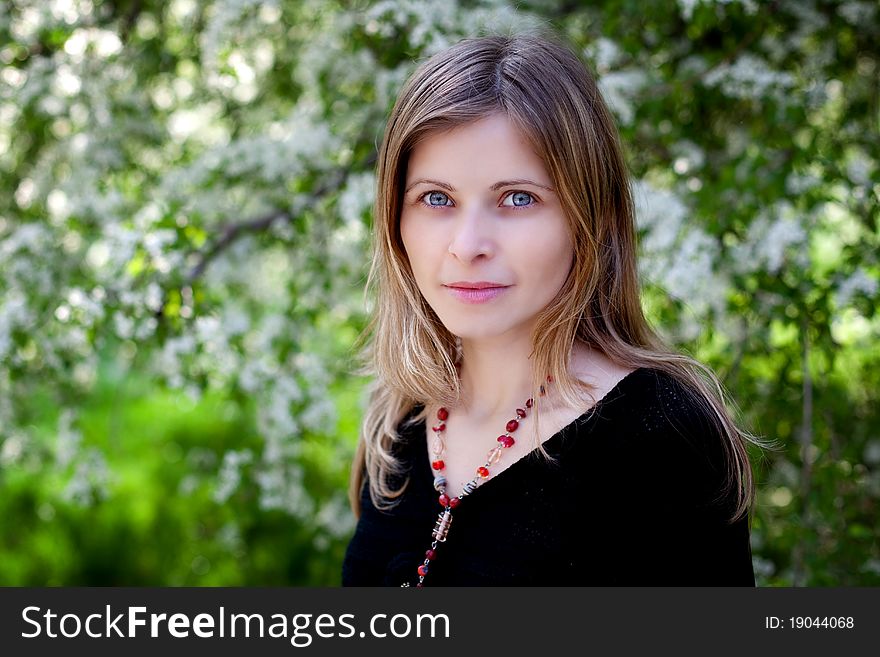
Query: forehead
{"x":492,"y":146}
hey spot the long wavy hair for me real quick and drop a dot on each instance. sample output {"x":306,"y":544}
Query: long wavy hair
{"x":548,"y":93}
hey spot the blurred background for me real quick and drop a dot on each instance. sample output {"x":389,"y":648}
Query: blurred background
{"x":184,"y":216}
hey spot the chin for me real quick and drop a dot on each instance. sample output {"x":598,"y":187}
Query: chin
{"x":474,"y":331}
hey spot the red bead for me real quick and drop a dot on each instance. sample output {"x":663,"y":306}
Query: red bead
{"x":454,"y":502}
{"x":419,"y":586}
{"x":442,"y":414}
{"x":423,"y":570}
{"x":439,"y":427}
{"x":483,"y":472}
{"x":529,"y":403}
{"x":506,"y":441}
{"x":430,"y":554}
{"x":512,"y":425}
{"x":520,"y":412}
{"x":444,"y":500}
{"x":438,"y":465}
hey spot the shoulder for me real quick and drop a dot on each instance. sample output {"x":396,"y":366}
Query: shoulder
{"x":652,"y":399}
{"x":657,"y":402}
{"x":668,"y":428}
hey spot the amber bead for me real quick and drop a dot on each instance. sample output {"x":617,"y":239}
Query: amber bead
{"x":483,"y":471}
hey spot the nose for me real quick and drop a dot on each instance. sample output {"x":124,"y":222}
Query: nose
{"x":471,"y":237}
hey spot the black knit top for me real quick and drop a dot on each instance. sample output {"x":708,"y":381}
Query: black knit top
{"x":629,"y":502}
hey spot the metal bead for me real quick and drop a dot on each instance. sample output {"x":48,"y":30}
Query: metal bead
{"x":442,"y":526}
{"x":439,"y":483}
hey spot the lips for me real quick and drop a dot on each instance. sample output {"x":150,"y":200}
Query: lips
{"x":472,"y":294}
{"x":478,"y":285}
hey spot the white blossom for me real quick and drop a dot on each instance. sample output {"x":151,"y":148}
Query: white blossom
{"x":14,"y":313}
{"x":91,"y":478}
{"x":12,"y":449}
{"x":68,"y":439}
{"x":750,"y":77}
{"x":357,"y":198}
{"x":335,"y":517}
{"x":167,"y":362}
{"x":30,"y":237}
{"x":123,"y":324}
{"x":771,"y":235}
{"x":858,"y":13}
{"x":282,"y":488}
{"x":230,"y":473}
{"x":604,"y":53}
{"x":235,"y":320}
{"x":687,"y":6}
{"x":797,"y":183}
{"x":274,"y":415}
{"x":688,"y":156}
{"x":859,"y":167}
{"x":620,"y":90}
{"x":681,"y":259}
{"x":860,"y":281}
{"x":319,"y":416}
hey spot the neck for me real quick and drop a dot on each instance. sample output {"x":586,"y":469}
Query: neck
{"x":496,"y":376}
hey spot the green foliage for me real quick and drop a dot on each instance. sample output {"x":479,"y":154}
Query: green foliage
{"x":156,"y":519}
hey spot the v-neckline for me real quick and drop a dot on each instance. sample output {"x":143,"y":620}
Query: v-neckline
{"x":584,"y":417}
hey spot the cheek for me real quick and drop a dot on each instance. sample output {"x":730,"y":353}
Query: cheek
{"x":413,"y":245}
{"x":551,"y":254}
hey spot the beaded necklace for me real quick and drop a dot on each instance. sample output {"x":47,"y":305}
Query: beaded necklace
{"x":444,"y":519}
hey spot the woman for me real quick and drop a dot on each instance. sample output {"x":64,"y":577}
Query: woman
{"x":525,"y":424}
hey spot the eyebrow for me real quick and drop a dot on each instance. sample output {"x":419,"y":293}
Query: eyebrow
{"x":494,"y":187}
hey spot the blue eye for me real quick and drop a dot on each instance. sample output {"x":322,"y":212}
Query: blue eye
{"x":436,"y":199}
{"x":519,"y":200}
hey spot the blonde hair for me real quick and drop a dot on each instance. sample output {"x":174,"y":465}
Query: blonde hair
{"x":547,"y":92}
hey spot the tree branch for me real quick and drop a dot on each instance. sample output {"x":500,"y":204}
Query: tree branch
{"x":233,"y":231}
{"x":228,"y":235}
{"x":799,"y":566}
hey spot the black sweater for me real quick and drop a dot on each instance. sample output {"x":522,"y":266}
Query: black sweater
{"x":628,"y":503}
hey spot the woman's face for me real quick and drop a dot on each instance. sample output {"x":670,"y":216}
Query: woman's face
{"x":478,"y":208}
